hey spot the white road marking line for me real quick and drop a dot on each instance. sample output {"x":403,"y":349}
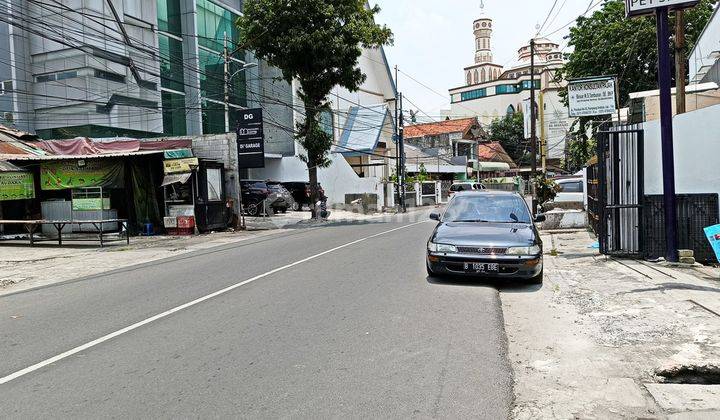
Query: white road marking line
{"x":137,"y":325}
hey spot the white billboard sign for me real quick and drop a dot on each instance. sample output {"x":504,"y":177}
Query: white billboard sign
{"x":592,"y":97}
{"x":643,"y":7}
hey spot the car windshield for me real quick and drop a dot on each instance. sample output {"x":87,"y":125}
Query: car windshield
{"x":487,"y":208}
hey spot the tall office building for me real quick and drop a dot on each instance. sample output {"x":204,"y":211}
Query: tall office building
{"x":137,"y":68}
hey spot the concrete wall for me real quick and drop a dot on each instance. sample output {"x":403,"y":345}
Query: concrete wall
{"x":337,"y":180}
{"x":697,"y":147}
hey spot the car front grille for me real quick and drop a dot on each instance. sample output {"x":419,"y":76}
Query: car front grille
{"x":481,"y":250}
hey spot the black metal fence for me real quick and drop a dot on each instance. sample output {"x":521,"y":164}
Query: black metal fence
{"x":593,"y":194}
{"x":620,"y":191}
{"x":695,"y":212}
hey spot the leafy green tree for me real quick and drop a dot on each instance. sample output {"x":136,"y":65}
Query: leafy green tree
{"x":510,"y":132}
{"x":318,"y":44}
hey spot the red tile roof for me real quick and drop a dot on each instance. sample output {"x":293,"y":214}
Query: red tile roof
{"x":442,"y":127}
{"x":494,"y":152}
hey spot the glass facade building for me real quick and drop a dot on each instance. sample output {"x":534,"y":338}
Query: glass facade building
{"x":169,"y":80}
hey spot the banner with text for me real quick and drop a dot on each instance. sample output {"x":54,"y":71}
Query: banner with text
{"x":80,"y":173}
{"x":16,"y":186}
{"x":250,"y":139}
{"x":592,"y":97}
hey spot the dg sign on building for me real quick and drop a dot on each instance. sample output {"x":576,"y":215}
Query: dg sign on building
{"x":644,"y":7}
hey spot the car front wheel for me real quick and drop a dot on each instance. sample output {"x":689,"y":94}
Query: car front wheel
{"x":537,"y":279}
{"x":429,"y":270}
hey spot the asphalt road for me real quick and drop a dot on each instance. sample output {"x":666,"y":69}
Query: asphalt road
{"x":338,"y":322}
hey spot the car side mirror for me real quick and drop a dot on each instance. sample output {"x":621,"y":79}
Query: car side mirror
{"x":540,"y":217}
{"x":435,"y":216}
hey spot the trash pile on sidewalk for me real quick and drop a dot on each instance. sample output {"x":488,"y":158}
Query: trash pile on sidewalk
{"x":607,"y":338}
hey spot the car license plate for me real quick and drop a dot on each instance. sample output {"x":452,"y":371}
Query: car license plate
{"x":482,"y":267}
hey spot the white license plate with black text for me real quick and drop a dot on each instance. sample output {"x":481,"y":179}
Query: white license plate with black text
{"x":482,"y":267}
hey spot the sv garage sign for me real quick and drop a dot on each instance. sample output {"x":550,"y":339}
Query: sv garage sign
{"x":643,"y":7}
{"x":250,"y":139}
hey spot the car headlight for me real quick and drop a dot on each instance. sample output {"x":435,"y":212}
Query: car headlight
{"x":433,"y":247}
{"x":524,"y":250}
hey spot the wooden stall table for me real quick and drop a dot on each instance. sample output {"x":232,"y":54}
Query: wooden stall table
{"x":31,"y":227}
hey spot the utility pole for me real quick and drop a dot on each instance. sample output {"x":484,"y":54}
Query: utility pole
{"x":666,"y":134}
{"x":398,"y":194}
{"x":226,"y":78}
{"x":543,"y":134}
{"x":401,"y":142}
{"x":533,"y":128}
{"x":680,"y":62}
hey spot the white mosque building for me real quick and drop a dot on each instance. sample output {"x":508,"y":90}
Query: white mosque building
{"x":492,"y":91}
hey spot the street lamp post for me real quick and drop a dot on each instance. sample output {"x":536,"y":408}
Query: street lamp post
{"x":228,"y":77}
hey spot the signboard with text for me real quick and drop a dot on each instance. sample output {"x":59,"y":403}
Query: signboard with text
{"x":713,"y":235}
{"x":250,"y":139}
{"x":16,"y":186}
{"x":644,"y":7}
{"x":592,"y":97}
{"x":66,"y":174}
{"x":176,"y":166}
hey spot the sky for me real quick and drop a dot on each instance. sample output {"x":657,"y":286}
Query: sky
{"x":434,"y":40}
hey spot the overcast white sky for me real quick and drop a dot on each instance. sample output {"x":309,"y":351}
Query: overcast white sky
{"x":434,"y":39}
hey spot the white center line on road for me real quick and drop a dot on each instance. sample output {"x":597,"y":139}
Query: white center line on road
{"x":137,"y":325}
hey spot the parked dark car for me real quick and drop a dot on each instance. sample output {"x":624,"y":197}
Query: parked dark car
{"x":300,"y":192}
{"x":486,"y":234}
{"x":253,"y":195}
{"x":284,"y":200}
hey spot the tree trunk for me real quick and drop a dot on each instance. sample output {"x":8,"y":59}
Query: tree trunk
{"x":314,"y":196}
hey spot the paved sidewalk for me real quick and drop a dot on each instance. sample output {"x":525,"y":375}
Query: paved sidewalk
{"x":590,"y":342}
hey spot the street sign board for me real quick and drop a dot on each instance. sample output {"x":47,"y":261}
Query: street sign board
{"x":713,"y":235}
{"x":645,"y":7}
{"x":250,"y":139}
{"x":592,"y":97}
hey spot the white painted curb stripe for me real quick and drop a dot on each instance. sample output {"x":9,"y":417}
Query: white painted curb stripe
{"x":129,"y":328}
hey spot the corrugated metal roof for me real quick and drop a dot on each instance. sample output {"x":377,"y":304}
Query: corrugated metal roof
{"x":65,"y":157}
{"x":363,"y":129}
{"x":9,"y":167}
